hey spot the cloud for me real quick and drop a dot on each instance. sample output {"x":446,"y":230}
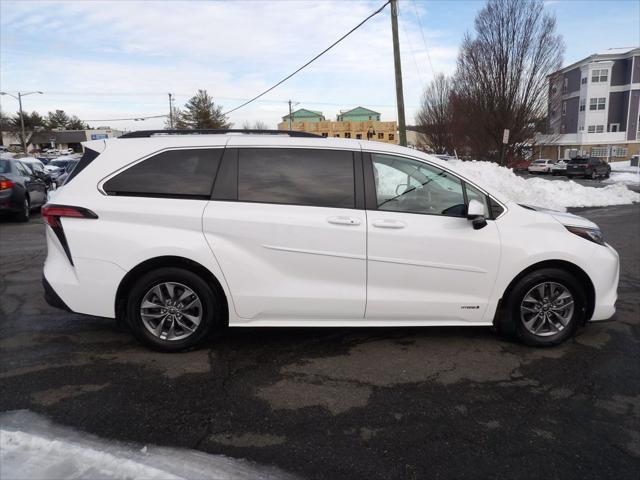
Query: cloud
{"x":92,"y":55}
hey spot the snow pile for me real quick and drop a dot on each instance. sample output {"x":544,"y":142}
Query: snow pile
{"x":623,"y":172}
{"x":32,"y":448}
{"x":551,"y":194}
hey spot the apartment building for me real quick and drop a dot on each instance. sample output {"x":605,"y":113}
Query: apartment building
{"x":358,"y":123}
{"x":593,"y":108}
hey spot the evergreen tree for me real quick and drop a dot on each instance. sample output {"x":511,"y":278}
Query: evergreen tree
{"x":76,"y":124}
{"x":202,"y":112}
{"x":58,"y":119}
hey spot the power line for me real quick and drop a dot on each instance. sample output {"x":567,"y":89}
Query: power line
{"x":310,"y":61}
{"x":123,"y":119}
{"x":413,"y":53}
{"x":424,"y":41}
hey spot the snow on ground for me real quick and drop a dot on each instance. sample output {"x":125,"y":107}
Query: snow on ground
{"x":551,"y":194}
{"x":33,"y":448}
{"x":623,"y":172}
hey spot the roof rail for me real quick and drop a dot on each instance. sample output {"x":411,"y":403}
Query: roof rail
{"x":215,"y":131}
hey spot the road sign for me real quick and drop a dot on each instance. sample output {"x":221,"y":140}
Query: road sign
{"x":505,"y":136}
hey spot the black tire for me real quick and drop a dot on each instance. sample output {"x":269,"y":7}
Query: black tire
{"x":524,"y":285}
{"x":608,"y":174}
{"x":210,"y":322}
{"x":25,"y":213}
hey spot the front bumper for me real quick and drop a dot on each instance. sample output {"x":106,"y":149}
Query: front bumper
{"x":604,"y":272}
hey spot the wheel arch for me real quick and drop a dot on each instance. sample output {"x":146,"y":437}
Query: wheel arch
{"x":163,"y":262}
{"x":575,"y":270}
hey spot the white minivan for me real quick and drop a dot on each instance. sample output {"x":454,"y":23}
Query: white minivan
{"x":185,"y":233}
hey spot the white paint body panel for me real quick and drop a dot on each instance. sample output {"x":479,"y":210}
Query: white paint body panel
{"x":289,"y":266}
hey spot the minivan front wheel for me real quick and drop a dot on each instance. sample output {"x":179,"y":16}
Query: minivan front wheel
{"x":546,"y":306}
{"x":172,"y":309}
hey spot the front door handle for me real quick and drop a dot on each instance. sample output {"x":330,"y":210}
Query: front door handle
{"x":388,"y":223}
{"x":344,"y":220}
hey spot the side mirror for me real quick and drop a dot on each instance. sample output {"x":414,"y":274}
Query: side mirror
{"x":475,"y":213}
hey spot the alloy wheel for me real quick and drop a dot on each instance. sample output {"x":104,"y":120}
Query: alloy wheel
{"x":171,"y":311}
{"x":547,"y":309}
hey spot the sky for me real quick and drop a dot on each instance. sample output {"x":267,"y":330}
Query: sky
{"x":105,"y":60}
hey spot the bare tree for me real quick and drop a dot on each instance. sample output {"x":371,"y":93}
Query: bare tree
{"x":434,"y":118}
{"x":257,"y":125}
{"x":501,"y":77}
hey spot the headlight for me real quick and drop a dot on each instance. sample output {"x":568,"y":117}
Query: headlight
{"x":591,"y":234}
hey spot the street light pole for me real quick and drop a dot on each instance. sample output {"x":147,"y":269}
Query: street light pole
{"x":19,"y":98}
{"x":170,"y":112}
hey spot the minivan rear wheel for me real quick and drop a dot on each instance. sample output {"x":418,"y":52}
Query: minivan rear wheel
{"x":546,"y":307}
{"x":172,"y":309}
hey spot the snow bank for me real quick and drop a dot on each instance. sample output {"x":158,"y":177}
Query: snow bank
{"x":551,"y":194}
{"x":33,"y":448}
{"x":623,"y":172}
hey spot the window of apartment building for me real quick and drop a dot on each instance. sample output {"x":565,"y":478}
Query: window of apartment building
{"x":583,"y":102}
{"x":619,"y":151}
{"x":359,"y":136}
{"x":347,"y":134}
{"x":614,"y":127}
{"x":597,"y":103}
{"x":337,"y":135}
{"x":564,"y":108}
{"x":565,"y":85}
{"x":599,"y":151}
{"x":599,"y":76}
{"x":392,"y":136}
{"x":595,"y":129}
{"x":581,"y":128}
{"x":380,"y":136}
{"x":325,"y":134}
{"x":599,"y":128}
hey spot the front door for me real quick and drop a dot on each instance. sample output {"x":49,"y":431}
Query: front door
{"x":425,"y":260}
{"x":289,"y":238}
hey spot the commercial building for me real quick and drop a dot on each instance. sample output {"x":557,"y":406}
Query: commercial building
{"x":59,"y":139}
{"x":357,"y":123}
{"x":593,"y":108}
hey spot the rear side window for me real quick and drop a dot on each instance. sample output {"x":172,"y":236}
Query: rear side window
{"x":293,"y":176}
{"x":87,"y":157}
{"x":174,"y":173}
{"x":5,"y":166}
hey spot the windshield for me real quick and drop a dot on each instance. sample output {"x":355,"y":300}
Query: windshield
{"x":59,"y":163}
{"x":5,"y":166}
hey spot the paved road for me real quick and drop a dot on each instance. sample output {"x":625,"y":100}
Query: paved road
{"x":340,"y":403}
{"x":587,"y":182}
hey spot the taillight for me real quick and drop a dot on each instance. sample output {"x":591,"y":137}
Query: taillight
{"x":6,"y":184}
{"x":52,"y":214}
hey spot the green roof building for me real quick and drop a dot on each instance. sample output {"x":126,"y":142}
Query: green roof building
{"x":358,"y":114}
{"x":304,"y":115}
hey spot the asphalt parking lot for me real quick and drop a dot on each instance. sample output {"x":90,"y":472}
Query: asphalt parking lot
{"x":339,"y":403}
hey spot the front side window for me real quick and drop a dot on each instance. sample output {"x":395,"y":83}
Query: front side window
{"x":405,"y":185}
{"x":295,"y":176}
{"x":174,"y":173}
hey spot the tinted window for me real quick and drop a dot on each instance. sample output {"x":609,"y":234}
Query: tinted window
{"x":322,"y":178}
{"x":5,"y":166}
{"x":175,"y":173}
{"x":87,"y":157}
{"x":578,"y":161}
{"x":405,"y":185}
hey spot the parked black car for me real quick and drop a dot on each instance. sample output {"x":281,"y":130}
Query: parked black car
{"x":588,"y":167}
{"x":20,"y":189}
{"x":37,"y":167}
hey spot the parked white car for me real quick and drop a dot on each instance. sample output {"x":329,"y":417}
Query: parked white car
{"x":559,"y":168}
{"x":541,"y":166}
{"x":181,"y":235}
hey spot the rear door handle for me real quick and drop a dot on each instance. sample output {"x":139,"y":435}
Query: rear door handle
{"x":344,"y":220}
{"x":388,"y":223}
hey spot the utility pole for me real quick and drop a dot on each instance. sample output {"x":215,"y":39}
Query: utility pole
{"x":290,"y":115}
{"x":19,"y":98}
{"x":170,"y":112}
{"x":398,"y":69}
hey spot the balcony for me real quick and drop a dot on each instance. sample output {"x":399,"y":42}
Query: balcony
{"x":581,"y":138}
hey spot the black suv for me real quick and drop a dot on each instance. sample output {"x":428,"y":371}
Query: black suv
{"x":588,"y":167}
